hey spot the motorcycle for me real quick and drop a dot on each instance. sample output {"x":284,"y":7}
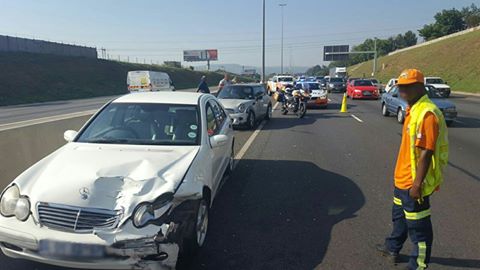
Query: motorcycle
{"x":295,"y":100}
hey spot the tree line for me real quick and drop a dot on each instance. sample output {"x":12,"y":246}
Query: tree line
{"x":446,"y":22}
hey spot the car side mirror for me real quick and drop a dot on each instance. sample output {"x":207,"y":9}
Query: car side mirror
{"x":70,"y":135}
{"x":446,"y":82}
{"x":218,"y":140}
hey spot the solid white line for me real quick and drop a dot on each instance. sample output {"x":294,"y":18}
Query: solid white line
{"x":44,"y":120}
{"x":458,"y":121}
{"x":356,"y":118}
{"x":250,"y":140}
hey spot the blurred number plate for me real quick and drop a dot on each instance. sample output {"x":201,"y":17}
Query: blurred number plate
{"x":65,"y":249}
{"x":367,"y":93}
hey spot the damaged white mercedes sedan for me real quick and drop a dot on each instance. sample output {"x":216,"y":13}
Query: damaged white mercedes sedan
{"x":129,"y":191}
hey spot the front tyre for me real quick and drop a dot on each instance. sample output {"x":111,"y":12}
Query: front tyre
{"x":302,"y":110}
{"x":400,"y":116}
{"x":251,"y":120}
{"x":196,"y":237}
{"x":385,"y":111}
{"x":268,"y":115}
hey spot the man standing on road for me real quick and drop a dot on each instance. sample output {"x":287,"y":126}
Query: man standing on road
{"x":224,"y":82}
{"x":203,"y":86}
{"x":418,"y":173}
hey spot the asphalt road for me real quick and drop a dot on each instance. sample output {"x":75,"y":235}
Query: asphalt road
{"x":316,"y":193}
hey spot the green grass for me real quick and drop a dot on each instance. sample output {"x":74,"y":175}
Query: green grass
{"x":28,"y":78}
{"x":456,"y":60}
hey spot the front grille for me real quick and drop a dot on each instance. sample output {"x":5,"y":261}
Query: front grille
{"x":76,"y":219}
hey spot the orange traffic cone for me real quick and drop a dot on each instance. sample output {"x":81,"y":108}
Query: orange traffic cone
{"x":344,"y":104}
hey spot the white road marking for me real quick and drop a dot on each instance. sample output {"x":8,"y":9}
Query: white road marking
{"x":356,"y":118}
{"x":458,"y":121}
{"x":44,"y":120}
{"x":250,"y":140}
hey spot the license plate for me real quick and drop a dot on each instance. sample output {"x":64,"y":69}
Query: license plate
{"x":65,"y":249}
{"x":367,"y":93}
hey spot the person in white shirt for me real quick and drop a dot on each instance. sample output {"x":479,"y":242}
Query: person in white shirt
{"x":224,"y":82}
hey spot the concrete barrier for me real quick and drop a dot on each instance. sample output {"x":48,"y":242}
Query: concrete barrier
{"x":24,"y":146}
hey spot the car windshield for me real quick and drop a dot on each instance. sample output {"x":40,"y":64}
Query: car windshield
{"x":144,"y":124}
{"x":432,"y":92}
{"x":362,"y":83}
{"x":332,"y":80}
{"x":374,"y":81}
{"x":312,"y":86}
{"x":285,"y":79}
{"x":236,"y":92}
{"x":434,"y":81}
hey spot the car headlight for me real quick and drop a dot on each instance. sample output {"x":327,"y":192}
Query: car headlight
{"x":13,"y":204}
{"x":357,"y":91}
{"x":148,"y":212}
{"x":242,"y":108}
{"x":331,"y":85}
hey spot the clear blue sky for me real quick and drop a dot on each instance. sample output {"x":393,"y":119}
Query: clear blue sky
{"x":159,"y":30}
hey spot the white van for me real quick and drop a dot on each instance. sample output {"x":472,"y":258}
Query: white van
{"x":145,"y":81}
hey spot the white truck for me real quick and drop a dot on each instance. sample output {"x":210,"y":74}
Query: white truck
{"x":338,"y":72}
{"x":149,"y":81}
{"x":440,"y":85}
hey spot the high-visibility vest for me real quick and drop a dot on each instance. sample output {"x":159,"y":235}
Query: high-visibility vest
{"x":434,"y":176}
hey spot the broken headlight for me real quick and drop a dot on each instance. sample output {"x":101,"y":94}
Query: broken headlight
{"x":147,"y":212}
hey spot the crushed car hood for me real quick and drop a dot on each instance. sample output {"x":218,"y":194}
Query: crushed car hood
{"x":115,"y":177}
{"x":233,"y":103}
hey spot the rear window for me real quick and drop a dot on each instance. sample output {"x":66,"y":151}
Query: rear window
{"x":336,"y":80}
{"x":285,"y":79}
{"x":363,"y":83}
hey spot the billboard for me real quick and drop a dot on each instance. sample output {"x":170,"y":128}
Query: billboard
{"x":334,"y":53}
{"x":200,"y":55}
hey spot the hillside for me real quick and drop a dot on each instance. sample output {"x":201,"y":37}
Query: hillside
{"x":456,"y":60}
{"x":27,"y":78}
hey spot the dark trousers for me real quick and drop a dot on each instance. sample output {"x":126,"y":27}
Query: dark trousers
{"x":411,"y":218}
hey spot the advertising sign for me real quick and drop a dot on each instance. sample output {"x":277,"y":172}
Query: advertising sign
{"x":200,"y":55}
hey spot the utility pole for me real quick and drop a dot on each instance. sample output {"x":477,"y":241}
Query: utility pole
{"x":374,"y":57}
{"x":281,"y":58}
{"x":263,"y":46}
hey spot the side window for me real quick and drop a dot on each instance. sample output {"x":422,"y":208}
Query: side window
{"x":259,"y":91}
{"x":212,"y":127}
{"x":220,"y":114}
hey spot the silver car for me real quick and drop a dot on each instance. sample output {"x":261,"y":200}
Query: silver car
{"x":246,"y":103}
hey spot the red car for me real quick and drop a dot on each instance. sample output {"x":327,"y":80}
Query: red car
{"x":362,"y":89}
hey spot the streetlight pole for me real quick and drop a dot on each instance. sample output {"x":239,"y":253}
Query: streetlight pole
{"x":263,"y":46}
{"x":281,"y":58}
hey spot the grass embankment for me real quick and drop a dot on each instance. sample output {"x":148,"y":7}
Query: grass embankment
{"x":28,"y":78}
{"x":456,"y":60}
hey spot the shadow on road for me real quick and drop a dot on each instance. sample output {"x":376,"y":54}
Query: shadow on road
{"x":276,"y":215}
{"x":450,"y":262}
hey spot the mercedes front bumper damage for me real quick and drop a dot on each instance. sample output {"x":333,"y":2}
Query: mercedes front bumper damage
{"x":154,"y":247}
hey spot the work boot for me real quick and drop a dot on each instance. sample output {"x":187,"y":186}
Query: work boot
{"x":391,"y":256}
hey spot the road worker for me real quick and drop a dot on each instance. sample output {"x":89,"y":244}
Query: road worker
{"x":418,"y":173}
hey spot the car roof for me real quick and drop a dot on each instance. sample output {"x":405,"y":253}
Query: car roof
{"x":161,"y":97}
{"x":246,"y":84}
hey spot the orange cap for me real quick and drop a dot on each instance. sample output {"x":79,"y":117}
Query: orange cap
{"x":410,"y":76}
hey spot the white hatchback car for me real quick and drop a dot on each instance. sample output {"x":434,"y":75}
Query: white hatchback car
{"x":129,"y":190}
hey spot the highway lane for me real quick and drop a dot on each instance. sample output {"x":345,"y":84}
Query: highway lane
{"x":317,"y":193}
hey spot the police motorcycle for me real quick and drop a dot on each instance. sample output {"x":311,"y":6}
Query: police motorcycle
{"x":294,"y":100}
